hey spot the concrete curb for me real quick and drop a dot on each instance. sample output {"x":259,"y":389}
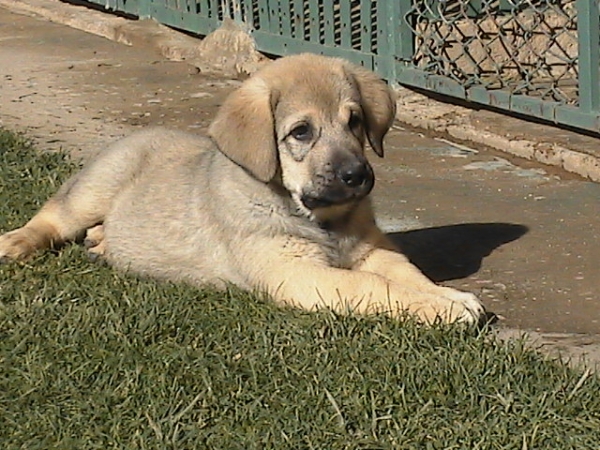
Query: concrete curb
{"x":456,"y":122}
{"x":229,"y":51}
{"x":94,"y":22}
{"x":577,"y":350}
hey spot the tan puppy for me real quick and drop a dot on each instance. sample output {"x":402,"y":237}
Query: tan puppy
{"x":275,"y":200}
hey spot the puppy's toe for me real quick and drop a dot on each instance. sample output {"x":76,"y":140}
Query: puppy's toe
{"x":94,"y":236}
{"x":96,"y":254}
{"x":95,"y":243}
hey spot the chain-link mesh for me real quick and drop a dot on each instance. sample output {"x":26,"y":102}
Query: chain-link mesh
{"x":523,"y":46}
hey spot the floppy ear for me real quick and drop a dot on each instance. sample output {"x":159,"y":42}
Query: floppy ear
{"x":244,"y":129}
{"x":378,"y":103}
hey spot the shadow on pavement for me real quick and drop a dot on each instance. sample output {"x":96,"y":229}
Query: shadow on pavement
{"x":454,"y":251}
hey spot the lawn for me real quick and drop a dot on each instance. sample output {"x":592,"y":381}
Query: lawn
{"x":93,"y":359}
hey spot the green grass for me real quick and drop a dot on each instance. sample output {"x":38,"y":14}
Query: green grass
{"x":93,"y":359}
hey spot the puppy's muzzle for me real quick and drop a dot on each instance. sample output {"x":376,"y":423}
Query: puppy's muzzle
{"x":351,"y":181}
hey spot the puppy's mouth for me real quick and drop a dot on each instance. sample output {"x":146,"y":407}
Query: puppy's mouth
{"x":337,"y":194}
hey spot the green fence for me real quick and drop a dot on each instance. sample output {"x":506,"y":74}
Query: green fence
{"x":539,"y":58}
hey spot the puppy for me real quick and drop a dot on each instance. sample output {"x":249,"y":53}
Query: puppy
{"x":276,"y":199}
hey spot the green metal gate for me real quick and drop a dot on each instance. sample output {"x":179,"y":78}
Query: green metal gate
{"x":539,"y":58}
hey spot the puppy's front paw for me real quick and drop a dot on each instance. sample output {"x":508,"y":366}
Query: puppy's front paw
{"x":451,"y":306}
{"x":462,"y":306}
{"x":16,"y":245}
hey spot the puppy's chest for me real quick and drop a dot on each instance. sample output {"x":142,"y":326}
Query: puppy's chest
{"x":340,"y":248}
{"x":333,"y":244}
{"x":331,"y":249}
{"x":343,"y":249}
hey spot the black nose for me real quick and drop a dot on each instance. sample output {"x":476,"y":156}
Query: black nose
{"x":356,"y":174}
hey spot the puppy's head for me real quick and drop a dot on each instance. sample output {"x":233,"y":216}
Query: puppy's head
{"x":308,"y":118}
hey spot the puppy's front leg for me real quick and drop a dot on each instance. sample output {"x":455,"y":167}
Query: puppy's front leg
{"x":308,"y":282}
{"x":384,"y":260}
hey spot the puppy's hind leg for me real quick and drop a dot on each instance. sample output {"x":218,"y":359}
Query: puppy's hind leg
{"x":62,"y":218}
{"x":82,"y":202}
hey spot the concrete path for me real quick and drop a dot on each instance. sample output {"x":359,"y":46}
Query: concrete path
{"x":524,"y":236}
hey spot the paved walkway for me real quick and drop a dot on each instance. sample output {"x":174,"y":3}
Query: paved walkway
{"x":524,"y":236}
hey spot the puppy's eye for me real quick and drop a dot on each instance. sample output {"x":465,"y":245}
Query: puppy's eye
{"x":355,"y":120}
{"x":302,"y":132}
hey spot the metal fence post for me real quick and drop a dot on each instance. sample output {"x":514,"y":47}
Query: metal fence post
{"x":588,"y":37}
{"x":144,"y":9}
{"x":385,"y":64}
{"x":406,"y":39}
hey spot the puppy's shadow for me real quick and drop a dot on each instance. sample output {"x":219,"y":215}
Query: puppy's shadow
{"x":454,"y":251}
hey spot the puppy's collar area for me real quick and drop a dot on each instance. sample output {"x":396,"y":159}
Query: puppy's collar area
{"x":327,"y":218}
{"x":336,"y":223}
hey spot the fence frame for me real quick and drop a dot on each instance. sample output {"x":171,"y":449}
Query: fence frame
{"x":275,"y":25}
